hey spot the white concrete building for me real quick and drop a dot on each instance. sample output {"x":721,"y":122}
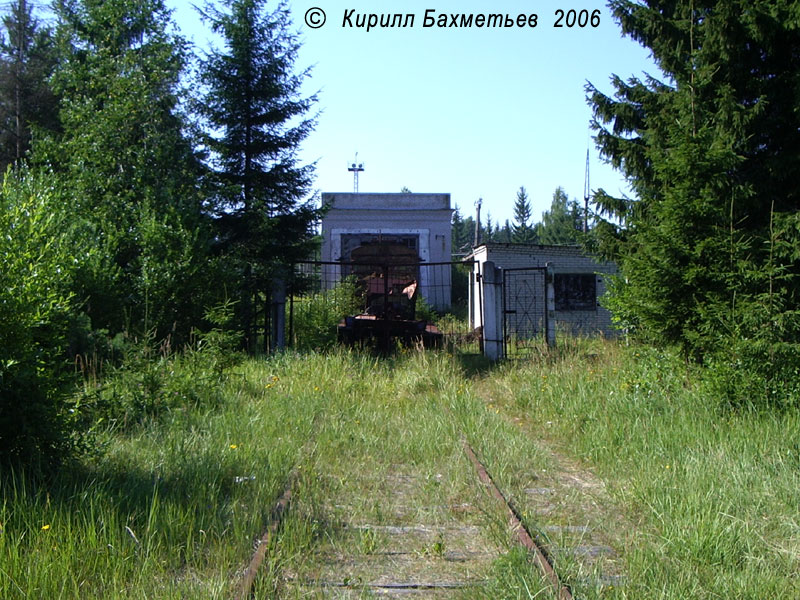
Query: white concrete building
{"x":419,"y":222}
{"x":578,"y":283}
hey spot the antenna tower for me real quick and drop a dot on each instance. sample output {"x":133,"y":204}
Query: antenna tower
{"x":355,"y":168}
{"x":586,"y":193}
{"x":476,"y":240}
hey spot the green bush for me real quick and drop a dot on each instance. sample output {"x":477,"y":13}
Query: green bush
{"x":35,"y":312}
{"x":316,"y":316}
{"x":152,"y":379}
{"x":755,"y":376}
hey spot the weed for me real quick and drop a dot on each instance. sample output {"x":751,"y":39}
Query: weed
{"x":368,"y":541}
{"x":438,"y":547}
{"x":711,"y":488}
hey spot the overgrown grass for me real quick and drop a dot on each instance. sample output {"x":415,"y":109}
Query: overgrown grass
{"x":171,"y":508}
{"x":715,"y":490}
{"x":391,"y":418}
{"x":167,"y":512}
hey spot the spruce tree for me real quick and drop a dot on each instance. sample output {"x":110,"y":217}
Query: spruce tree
{"x":27,"y":60}
{"x":562,"y":224}
{"x":708,"y":245}
{"x":488,"y":234}
{"x":468,"y":234}
{"x":257,"y":118}
{"x":459,"y":239}
{"x":506,"y":233}
{"x":522,"y":231}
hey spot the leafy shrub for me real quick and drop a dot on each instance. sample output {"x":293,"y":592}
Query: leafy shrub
{"x":153,"y":379}
{"x":219,"y":346}
{"x":316,"y":316}
{"x":35,"y":310}
{"x":424,"y":311}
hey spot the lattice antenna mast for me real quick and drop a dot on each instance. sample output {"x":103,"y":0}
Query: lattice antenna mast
{"x":586,"y":193}
{"x":355,"y":168}
{"x":476,"y":240}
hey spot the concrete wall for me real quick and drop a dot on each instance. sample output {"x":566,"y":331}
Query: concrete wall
{"x":565,"y":260}
{"x":424,"y":216}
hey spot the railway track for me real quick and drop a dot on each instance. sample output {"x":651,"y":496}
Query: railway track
{"x":399,"y":544}
{"x":518,"y":529}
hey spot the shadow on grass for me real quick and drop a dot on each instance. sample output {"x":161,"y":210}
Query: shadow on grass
{"x":474,"y":364}
{"x":198,"y":492}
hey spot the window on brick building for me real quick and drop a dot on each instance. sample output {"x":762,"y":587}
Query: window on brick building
{"x":575,"y":291}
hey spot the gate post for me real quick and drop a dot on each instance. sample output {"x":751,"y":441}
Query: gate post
{"x":471,"y":299}
{"x":492,"y":311}
{"x":550,"y":309}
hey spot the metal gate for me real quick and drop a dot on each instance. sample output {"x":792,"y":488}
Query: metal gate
{"x":524,"y":308}
{"x":386,"y":297}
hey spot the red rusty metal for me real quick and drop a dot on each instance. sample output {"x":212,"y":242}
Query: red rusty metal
{"x":245,"y":589}
{"x":523,"y":536}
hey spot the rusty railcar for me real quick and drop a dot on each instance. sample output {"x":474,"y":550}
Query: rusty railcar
{"x":387,"y":276}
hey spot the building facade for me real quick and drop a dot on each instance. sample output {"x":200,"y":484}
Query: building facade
{"x":408,"y":225}
{"x":579,"y":283}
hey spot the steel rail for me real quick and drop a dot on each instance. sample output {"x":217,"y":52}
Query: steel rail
{"x":561,"y":591}
{"x":523,"y":536}
{"x":249,"y":577}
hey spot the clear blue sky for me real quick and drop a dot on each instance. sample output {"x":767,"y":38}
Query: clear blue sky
{"x":471,"y":112}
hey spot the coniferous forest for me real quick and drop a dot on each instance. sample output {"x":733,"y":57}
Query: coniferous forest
{"x":709,"y":246}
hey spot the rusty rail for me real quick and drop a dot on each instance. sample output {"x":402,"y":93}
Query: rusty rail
{"x":245,"y":589}
{"x":561,"y":591}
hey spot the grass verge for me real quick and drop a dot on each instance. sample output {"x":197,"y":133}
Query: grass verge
{"x":713,"y":492}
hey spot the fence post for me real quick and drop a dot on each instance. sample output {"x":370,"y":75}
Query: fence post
{"x":550,"y":310}
{"x":291,"y":292}
{"x":492,"y":311}
{"x":279,"y":315}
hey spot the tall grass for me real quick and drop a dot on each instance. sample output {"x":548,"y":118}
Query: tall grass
{"x":166,"y":511}
{"x":716,"y":490}
{"x":170,"y":508}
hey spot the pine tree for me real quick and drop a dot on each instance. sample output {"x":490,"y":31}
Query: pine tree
{"x":257,"y":119}
{"x":522,"y":231}
{"x":709,"y":151}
